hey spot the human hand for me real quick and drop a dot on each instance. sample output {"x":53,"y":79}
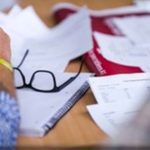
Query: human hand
{"x":5,"y":50}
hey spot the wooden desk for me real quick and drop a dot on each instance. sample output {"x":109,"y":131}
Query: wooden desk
{"x":76,"y":127}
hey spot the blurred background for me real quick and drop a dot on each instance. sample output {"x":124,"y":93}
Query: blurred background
{"x":43,"y":7}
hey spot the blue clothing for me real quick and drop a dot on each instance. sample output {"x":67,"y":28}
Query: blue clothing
{"x":9,"y":120}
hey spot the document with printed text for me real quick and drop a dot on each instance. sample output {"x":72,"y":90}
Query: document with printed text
{"x":119,"y":98}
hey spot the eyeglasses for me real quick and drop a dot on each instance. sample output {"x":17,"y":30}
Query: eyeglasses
{"x":36,"y":80}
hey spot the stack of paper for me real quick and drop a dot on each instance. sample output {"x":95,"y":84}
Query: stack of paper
{"x":61,"y":43}
{"x":50,"y":49}
{"x":119,"y":98}
{"x":121,"y":38}
{"x":121,"y":46}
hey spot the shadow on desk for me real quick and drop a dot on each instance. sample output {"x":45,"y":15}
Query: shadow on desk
{"x":98,"y":147}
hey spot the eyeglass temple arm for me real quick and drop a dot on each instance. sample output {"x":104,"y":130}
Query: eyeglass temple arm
{"x":80,"y":68}
{"x":25,"y":55}
{"x":72,"y":78}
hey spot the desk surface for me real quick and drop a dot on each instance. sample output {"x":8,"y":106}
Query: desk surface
{"x":76,"y":128}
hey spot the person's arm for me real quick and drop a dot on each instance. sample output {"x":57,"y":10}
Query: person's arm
{"x":6,"y":75}
{"x":9,"y":112}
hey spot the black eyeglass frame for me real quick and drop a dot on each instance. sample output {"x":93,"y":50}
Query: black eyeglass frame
{"x":54,"y":89}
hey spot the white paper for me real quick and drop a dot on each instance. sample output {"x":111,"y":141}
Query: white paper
{"x":122,"y":51}
{"x":58,"y":46}
{"x":142,"y":3}
{"x":136,"y":28}
{"x":120,"y":98}
{"x":38,"y":108}
{"x":110,"y":119}
{"x":2,"y":18}
{"x":16,"y":9}
{"x":11,"y":14}
{"x":50,"y":48}
{"x":28,"y":24}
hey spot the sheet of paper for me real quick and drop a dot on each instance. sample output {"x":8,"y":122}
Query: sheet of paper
{"x":122,"y":51}
{"x":142,"y":3}
{"x":37,"y":109}
{"x":2,"y":18}
{"x":130,"y":25}
{"x":119,"y":98}
{"x":16,"y":9}
{"x":12,"y":13}
{"x":28,"y":24}
{"x":50,"y":48}
{"x":110,"y":119}
{"x":61,"y":44}
{"x":124,"y":83}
